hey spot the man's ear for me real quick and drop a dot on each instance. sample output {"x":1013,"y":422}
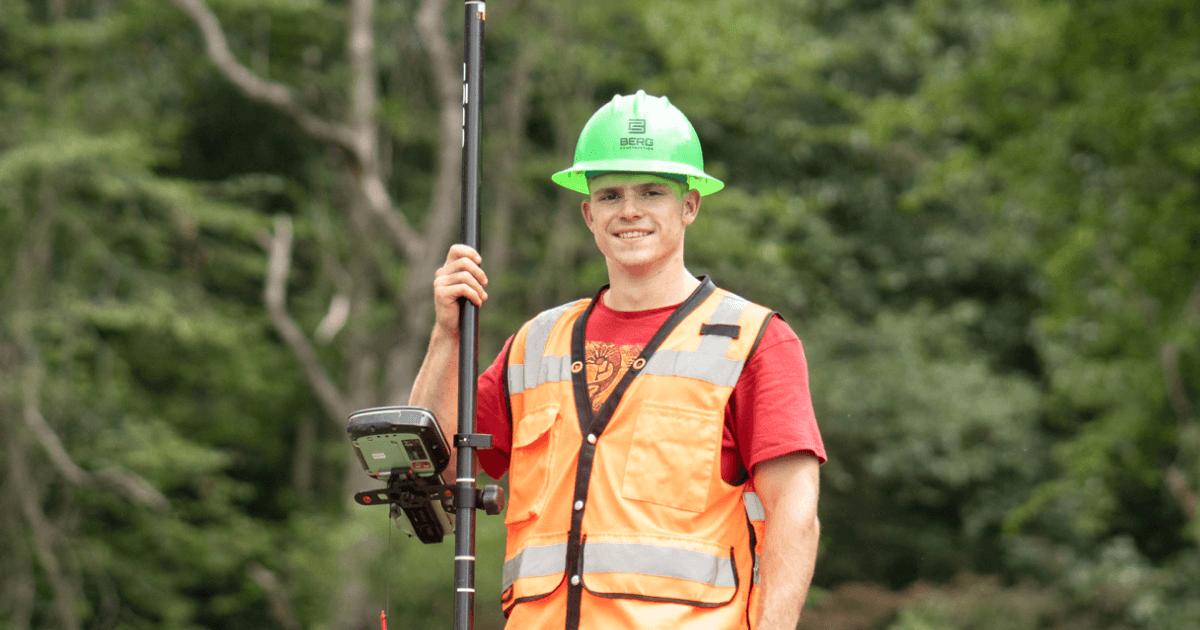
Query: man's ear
{"x":691,"y":206}
{"x":585,"y":209}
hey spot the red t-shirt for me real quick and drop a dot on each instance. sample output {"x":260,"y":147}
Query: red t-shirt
{"x":769,"y":414}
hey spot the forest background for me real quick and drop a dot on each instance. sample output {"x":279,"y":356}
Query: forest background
{"x":219,"y":220}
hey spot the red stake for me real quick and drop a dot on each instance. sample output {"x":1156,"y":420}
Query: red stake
{"x":382,"y":620}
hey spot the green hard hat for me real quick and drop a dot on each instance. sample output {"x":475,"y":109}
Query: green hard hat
{"x":639,"y":134}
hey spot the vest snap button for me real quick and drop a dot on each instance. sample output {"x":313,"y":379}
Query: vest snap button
{"x":577,"y":367}
{"x":578,"y":505}
{"x":591,"y":438}
{"x":574,"y":580}
{"x":639,"y":364}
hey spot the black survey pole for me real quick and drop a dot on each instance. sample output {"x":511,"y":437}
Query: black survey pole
{"x":468,"y":350}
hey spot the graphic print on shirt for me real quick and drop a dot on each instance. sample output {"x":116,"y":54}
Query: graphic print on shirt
{"x":606,"y":363}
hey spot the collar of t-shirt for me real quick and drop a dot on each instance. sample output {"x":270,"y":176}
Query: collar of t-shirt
{"x":625,"y":328}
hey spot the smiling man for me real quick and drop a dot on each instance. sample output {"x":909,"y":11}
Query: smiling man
{"x":659,"y":438}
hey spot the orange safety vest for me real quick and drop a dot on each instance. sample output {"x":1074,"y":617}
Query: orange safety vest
{"x":620,"y":519}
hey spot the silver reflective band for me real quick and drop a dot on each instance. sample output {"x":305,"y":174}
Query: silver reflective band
{"x":468,"y":558}
{"x":574,"y":580}
{"x":708,"y":363}
{"x":578,"y":505}
{"x":551,"y":369}
{"x":757,"y":562}
{"x":729,"y":311}
{"x":465,"y":590}
{"x":534,"y":368}
{"x":534,"y":562}
{"x":670,"y":562}
{"x":754,"y":507}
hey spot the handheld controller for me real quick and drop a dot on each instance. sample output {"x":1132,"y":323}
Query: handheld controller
{"x":405,"y":446}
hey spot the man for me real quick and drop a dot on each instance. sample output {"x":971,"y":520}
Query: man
{"x":660,"y":442}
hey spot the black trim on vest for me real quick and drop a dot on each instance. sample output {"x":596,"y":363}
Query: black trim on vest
{"x":507,"y":393}
{"x":590,"y":423}
{"x":722,"y":330}
{"x":507,"y":606}
{"x":762,"y":330}
{"x":753,"y":568}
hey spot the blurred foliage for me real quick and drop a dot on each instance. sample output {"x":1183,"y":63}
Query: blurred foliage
{"x":978,"y":215}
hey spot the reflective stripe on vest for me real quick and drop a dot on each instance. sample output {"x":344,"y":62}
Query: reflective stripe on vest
{"x":707,"y":363}
{"x":549,"y":369}
{"x":754,"y":507}
{"x":535,"y":562}
{"x":755,"y":512}
{"x":644,"y":559}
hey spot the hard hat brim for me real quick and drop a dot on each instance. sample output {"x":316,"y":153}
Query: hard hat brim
{"x":574,"y":178}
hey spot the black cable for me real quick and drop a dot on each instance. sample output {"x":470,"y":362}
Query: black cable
{"x":387,"y":597}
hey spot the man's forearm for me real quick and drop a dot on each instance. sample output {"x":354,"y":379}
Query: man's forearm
{"x":436,"y":388}
{"x":789,"y":487}
{"x":789,"y":556}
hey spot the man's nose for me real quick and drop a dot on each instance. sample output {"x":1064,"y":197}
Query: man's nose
{"x":630,"y":207}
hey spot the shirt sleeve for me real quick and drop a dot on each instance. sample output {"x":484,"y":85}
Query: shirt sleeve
{"x":772,"y":409}
{"x":491,"y":417}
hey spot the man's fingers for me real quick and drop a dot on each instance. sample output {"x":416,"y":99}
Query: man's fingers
{"x":462,"y":265}
{"x":462,"y":278}
{"x":448,"y":294}
{"x":463,"y":251}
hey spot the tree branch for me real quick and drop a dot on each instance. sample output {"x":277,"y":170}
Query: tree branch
{"x":256,"y":88}
{"x":279,"y":248}
{"x":445,"y":204}
{"x":360,"y":47}
{"x":1181,"y":404}
{"x":512,"y":136}
{"x":18,"y":584}
{"x":1176,"y":480}
{"x":281,"y":604}
{"x":132,"y":485}
{"x":50,"y":442}
{"x":32,"y":262}
{"x":358,"y":138}
{"x":41,"y":531}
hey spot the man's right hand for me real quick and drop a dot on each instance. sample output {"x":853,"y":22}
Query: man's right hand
{"x":460,"y":277}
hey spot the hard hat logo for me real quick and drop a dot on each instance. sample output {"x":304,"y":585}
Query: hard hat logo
{"x":637,"y":143}
{"x":639,"y":134}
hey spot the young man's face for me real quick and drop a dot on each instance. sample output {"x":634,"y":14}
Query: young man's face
{"x":638,"y":220}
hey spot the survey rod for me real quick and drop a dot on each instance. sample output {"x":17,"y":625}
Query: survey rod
{"x":468,"y":325}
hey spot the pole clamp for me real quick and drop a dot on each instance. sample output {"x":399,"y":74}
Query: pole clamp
{"x":473,"y":440}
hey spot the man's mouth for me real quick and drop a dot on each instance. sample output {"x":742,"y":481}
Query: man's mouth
{"x":630,"y":234}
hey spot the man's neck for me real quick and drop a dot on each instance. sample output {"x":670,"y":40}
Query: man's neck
{"x":643,"y":292}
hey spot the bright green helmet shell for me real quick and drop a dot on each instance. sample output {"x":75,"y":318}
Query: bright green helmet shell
{"x":639,"y":134}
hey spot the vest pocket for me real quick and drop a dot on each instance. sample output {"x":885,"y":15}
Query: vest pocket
{"x":531,"y":462}
{"x":672,"y":457}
